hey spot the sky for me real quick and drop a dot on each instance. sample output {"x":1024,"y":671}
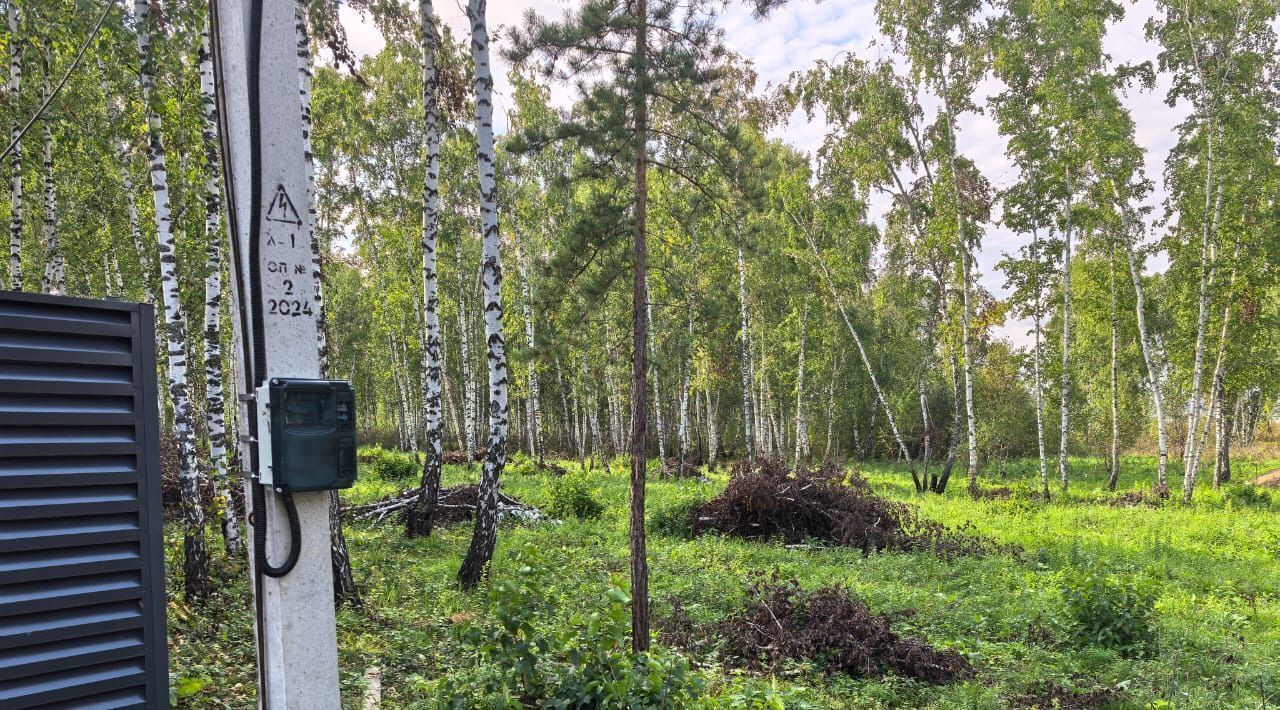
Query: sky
{"x":804,"y":31}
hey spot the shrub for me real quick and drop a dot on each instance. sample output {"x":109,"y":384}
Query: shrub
{"x":571,"y":495}
{"x":1245,"y":495}
{"x":395,"y":466}
{"x":1111,"y":611}
{"x":676,"y":520}
{"x":586,"y":664}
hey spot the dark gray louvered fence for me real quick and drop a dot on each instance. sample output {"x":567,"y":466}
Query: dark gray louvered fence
{"x":81,"y":556}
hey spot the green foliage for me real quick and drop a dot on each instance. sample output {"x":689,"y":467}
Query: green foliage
{"x":1111,"y":611}
{"x":395,"y":466}
{"x":676,"y":519}
{"x":523,"y":659}
{"x":572,"y":495}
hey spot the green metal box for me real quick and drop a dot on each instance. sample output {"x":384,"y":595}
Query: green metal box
{"x":311,"y":444}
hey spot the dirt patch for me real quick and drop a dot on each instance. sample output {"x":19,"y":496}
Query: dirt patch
{"x":1048,"y":695}
{"x":763,"y":500}
{"x":1270,"y":479}
{"x":828,"y":627}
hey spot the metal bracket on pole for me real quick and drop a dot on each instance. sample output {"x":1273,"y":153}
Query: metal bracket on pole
{"x":260,"y":112}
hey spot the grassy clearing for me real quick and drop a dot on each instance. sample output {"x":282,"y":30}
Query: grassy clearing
{"x":1213,"y":568}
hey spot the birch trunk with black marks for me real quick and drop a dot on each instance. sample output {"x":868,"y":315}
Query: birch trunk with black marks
{"x":419,"y":521}
{"x":1038,"y":365}
{"x":745,"y":342}
{"x":195,"y":565}
{"x":464,"y":342}
{"x":713,"y":431}
{"x":866,"y":362}
{"x":1153,"y":376}
{"x":55,"y":279}
{"x":1113,"y":453}
{"x":534,"y":415}
{"x":215,"y":405}
{"x":802,"y":424}
{"x":1208,"y":272}
{"x":966,"y":334}
{"x":660,"y":430}
{"x":831,"y":412}
{"x":1215,"y":395}
{"x":1065,"y":432}
{"x":16,"y":51}
{"x":486,"y":529}
{"x":345,"y":590}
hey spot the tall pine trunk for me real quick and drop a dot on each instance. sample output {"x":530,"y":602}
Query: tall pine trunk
{"x":195,"y":565}
{"x":215,"y":404}
{"x":485,"y":534}
{"x":640,"y":328}
{"x":421,"y":518}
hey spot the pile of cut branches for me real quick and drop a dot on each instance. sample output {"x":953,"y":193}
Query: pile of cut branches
{"x":764,"y":500}
{"x":455,"y":505}
{"x":828,"y":627}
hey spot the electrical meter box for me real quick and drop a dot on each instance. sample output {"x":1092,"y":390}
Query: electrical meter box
{"x":306,"y":434}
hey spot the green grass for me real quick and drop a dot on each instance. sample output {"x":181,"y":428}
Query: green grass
{"x":1214,"y":567}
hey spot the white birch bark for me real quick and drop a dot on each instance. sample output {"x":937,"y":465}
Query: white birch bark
{"x":195,"y":562}
{"x":486,"y":528}
{"x":55,"y":280}
{"x":745,"y":342}
{"x":1065,"y":433}
{"x":660,"y":433}
{"x":966,"y":334}
{"x":1148,"y":357}
{"x":802,"y":425}
{"x":464,"y":341}
{"x":215,"y":405}
{"x":535,"y":392}
{"x":862,"y":353}
{"x":420,"y":523}
{"x":17,"y":45}
{"x":1208,"y":271}
{"x":1036,"y":316}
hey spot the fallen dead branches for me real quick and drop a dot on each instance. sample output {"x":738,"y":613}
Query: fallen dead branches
{"x":763,"y":500}
{"x":457,"y":504}
{"x":782,"y":623}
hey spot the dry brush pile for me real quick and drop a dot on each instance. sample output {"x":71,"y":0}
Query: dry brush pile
{"x":764,"y":500}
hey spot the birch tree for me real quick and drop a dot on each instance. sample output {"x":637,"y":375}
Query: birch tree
{"x":195,"y":556}
{"x":485,"y":534}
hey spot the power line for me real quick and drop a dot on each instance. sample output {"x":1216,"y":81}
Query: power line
{"x":61,"y":83}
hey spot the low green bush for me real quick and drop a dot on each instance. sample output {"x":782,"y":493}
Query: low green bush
{"x":395,"y":466}
{"x":676,"y":519}
{"x":525,"y":657}
{"x":572,"y":495}
{"x":1111,"y":611}
{"x":1244,"y":495}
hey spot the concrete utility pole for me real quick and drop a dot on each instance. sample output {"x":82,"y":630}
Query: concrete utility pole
{"x":258,"y":61}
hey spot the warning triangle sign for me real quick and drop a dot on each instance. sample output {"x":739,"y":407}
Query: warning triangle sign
{"x":281,"y":208}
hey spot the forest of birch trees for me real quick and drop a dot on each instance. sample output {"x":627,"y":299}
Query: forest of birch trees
{"x":529,"y":275}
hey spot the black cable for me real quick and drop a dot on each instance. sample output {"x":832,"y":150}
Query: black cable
{"x":261,"y":563}
{"x":61,"y":83}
